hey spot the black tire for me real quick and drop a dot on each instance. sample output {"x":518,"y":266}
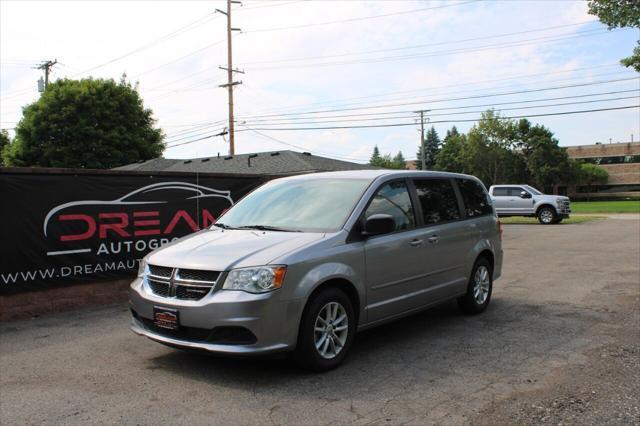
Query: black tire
{"x":306,"y":355}
{"x":547,"y":215}
{"x":469,"y":303}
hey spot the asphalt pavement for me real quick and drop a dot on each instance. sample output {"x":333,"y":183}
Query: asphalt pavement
{"x":560,"y":343}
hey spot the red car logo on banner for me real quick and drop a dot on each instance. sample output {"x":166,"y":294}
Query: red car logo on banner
{"x":163,"y":210}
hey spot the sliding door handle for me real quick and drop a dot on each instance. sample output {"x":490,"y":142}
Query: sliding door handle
{"x":415,"y":243}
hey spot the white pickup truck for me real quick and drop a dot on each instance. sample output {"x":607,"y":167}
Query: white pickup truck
{"x":525,"y":200}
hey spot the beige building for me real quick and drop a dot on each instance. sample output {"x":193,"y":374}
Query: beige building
{"x":621,"y":160}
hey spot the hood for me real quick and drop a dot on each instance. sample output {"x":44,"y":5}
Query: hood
{"x":549,"y":198}
{"x":219,"y":250}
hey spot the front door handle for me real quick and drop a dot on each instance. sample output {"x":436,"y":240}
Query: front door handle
{"x":415,"y":243}
{"x":433,"y":239}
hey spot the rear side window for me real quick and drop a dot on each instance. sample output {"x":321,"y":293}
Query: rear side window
{"x":438,"y":200}
{"x":393,"y":199}
{"x":476,"y":202}
{"x":500,"y":192}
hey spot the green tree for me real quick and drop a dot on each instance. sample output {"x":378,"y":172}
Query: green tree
{"x":619,"y":13}
{"x":451,"y":157}
{"x":399,"y":161}
{"x":4,"y":143}
{"x":89,"y":123}
{"x":547,"y":164}
{"x":492,"y":158}
{"x":453,"y":132}
{"x":375,"y":157}
{"x":591,"y":175}
{"x":431,"y":148}
{"x":385,"y":161}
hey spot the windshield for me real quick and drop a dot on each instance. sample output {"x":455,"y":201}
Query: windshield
{"x":532,"y":189}
{"x":308,"y":205}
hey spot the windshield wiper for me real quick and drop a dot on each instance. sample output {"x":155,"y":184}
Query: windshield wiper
{"x":268,"y":228}
{"x":223,"y":225}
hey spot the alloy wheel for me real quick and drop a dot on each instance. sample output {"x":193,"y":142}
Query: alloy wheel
{"x":481,"y":283}
{"x":546,"y":216}
{"x":331,"y":330}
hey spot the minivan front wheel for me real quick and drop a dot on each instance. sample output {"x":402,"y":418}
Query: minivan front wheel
{"x":326,"y":331}
{"x":479,"y":288}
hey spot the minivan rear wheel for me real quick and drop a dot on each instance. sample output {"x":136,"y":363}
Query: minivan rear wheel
{"x":326,"y":331}
{"x":479,"y":288}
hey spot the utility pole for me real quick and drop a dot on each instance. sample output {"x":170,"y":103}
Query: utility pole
{"x":422,"y":156}
{"x":46,"y":67}
{"x":229,"y":68}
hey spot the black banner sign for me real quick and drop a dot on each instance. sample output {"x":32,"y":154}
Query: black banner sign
{"x":61,"y":229}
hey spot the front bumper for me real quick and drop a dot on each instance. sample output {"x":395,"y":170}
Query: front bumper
{"x":563,"y":209}
{"x":273,"y":322}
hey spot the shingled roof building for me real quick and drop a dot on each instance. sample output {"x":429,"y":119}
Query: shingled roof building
{"x":263,"y":163}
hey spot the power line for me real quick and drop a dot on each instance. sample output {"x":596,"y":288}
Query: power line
{"x":361,"y":18}
{"x":178,"y":80}
{"x":452,"y":113}
{"x":222,"y":133}
{"x":447,"y":52}
{"x":191,"y":133}
{"x":418,"y":46}
{"x":448,"y":99}
{"x":341,"y":102}
{"x":300,"y":147}
{"x":175,"y":33}
{"x":190,"y":26}
{"x":199,"y":84}
{"x":392,"y":115}
{"x":277,"y":4}
{"x":189,"y":136}
{"x":194,"y":127}
{"x":445,"y":121}
{"x":209,"y":46}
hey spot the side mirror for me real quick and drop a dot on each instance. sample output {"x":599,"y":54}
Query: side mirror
{"x":378,"y":224}
{"x":525,"y":194}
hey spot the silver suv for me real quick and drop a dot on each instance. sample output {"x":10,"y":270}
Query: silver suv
{"x":302,"y":263}
{"x":525,"y":200}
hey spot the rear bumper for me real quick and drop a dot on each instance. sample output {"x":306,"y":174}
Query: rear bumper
{"x":270,"y":323}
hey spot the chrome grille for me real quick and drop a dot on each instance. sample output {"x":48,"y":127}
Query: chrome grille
{"x":161,"y":288}
{"x":183,"y":284}
{"x":197,"y":275}
{"x":160,"y":271}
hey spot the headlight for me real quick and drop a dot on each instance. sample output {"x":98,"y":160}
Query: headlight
{"x":142,"y":268}
{"x":259,"y":279}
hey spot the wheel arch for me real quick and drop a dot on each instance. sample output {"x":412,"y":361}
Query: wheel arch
{"x":487,"y":254}
{"x":344,"y":285}
{"x":541,"y":206}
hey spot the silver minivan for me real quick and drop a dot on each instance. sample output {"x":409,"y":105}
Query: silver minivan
{"x":302,"y":263}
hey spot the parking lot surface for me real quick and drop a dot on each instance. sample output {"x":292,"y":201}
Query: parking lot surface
{"x":560,"y":343}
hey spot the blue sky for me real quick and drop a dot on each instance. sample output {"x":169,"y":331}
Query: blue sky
{"x":428,"y":54}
